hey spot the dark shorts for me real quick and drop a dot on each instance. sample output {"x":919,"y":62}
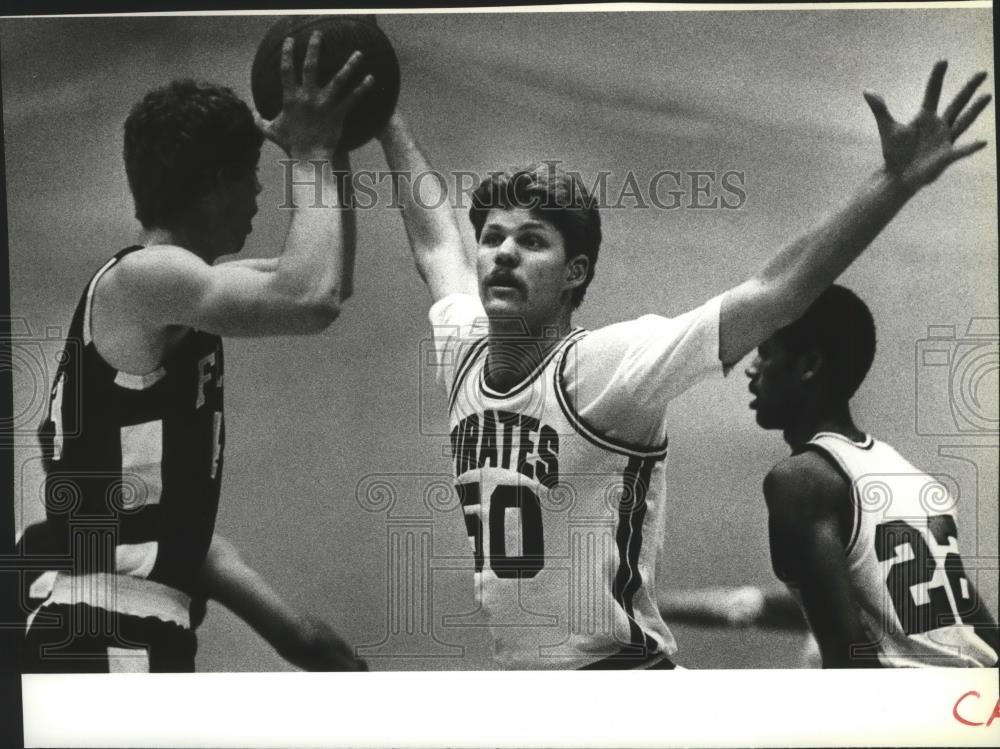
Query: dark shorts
{"x":79,"y":638}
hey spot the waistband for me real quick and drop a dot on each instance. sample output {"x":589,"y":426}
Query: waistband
{"x":123,"y":594}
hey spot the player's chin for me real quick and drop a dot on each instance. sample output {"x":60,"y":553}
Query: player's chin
{"x":503,"y":302}
{"x":764,"y":419}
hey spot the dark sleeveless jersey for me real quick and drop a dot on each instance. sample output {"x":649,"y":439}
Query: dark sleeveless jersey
{"x":134,"y":462}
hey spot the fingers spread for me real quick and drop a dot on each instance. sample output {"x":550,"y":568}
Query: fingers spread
{"x":962,"y":151}
{"x":359,"y":90}
{"x":963,"y":97}
{"x":877,"y":104}
{"x":287,"y":67}
{"x":969,"y":116}
{"x":339,"y":81}
{"x":311,"y":61}
{"x":933,"y":92}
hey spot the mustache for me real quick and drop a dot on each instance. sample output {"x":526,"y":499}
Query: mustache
{"x":504,"y":278}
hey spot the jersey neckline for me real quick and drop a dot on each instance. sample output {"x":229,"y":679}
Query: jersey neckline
{"x":866,"y":444}
{"x":532,"y":376}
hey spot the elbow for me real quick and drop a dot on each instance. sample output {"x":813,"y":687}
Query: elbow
{"x":323,"y":313}
{"x":317,"y":314}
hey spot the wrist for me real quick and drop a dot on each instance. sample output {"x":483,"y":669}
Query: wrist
{"x":392,"y":127}
{"x":895,"y":185}
{"x":312,"y":153}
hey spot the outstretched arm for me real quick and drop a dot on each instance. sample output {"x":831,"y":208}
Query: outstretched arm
{"x":744,"y":606}
{"x":298,"y":292}
{"x":302,"y":640}
{"x":806,"y":500}
{"x":915,"y":155}
{"x":433,"y":232}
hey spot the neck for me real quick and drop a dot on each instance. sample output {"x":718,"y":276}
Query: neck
{"x":517,"y":347}
{"x":834,"y":418}
{"x":177,"y":236}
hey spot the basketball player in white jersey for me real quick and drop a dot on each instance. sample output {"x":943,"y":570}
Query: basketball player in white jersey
{"x":867,"y":541}
{"x":134,"y":437}
{"x":558,"y":434}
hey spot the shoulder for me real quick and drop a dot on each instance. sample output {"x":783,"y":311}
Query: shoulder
{"x":157,"y":259}
{"x":804,"y":488}
{"x":457,"y":309}
{"x":155,"y":267}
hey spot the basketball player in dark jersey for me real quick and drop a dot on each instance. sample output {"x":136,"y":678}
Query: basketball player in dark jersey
{"x":301,"y":639}
{"x":133,"y":442}
{"x":544,"y":415}
{"x":865,"y":541}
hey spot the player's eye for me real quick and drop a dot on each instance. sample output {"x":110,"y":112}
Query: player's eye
{"x":532,"y":241}
{"x":490,"y":239}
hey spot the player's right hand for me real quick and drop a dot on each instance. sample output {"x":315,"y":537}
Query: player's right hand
{"x":325,"y":650}
{"x":311,"y":120}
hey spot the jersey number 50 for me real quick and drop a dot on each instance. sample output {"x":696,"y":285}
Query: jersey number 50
{"x":504,"y":497}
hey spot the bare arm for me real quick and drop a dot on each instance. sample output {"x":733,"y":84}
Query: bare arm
{"x":743,"y":606}
{"x":348,"y":222}
{"x":304,"y":641}
{"x":433,"y":232}
{"x":805,"y":498}
{"x":915,"y":155}
{"x":298,"y":292}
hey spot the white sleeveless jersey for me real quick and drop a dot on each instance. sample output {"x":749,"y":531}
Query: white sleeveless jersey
{"x":566,"y":520}
{"x":903,"y":558}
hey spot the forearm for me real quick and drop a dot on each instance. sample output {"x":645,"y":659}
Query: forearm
{"x":721,"y":606}
{"x":348,"y":221}
{"x":312,"y":266}
{"x":813,"y":261}
{"x":250,"y":597}
{"x":781,"y":611}
{"x":430,"y":223}
{"x":785,"y":287}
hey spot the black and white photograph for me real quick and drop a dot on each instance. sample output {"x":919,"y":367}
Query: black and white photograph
{"x":450,"y":354}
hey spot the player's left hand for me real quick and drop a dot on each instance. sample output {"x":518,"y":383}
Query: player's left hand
{"x":918,"y":152}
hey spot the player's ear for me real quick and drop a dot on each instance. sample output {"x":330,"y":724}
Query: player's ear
{"x":576,"y":271}
{"x":809,"y":366}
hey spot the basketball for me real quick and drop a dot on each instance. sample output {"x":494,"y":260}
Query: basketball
{"x":342,"y":36}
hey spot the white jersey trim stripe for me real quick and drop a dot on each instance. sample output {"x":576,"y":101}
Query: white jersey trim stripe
{"x":463,"y":369}
{"x":87,"y":337}
{"x":592,"y":436}
{"x":142,"y":460}
{"x":489,"y":392}
{"x":139,"y":382}
{"x":846,"y":474}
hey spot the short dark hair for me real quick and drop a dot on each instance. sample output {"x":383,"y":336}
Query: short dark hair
{"x":553,"y":196}
{"x":177,"y":138}
{"x":840,"y":327}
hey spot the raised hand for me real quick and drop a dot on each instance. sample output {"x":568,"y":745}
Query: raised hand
{"x":312,"y":117}
{"x":918,"y":152}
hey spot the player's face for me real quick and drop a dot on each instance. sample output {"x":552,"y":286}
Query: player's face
{"x":238,"y":207}
{"x":521,"y":264}
{"x":774,"y":383}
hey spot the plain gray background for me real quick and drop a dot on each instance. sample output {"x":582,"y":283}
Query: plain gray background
{"x":776,"y":95}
